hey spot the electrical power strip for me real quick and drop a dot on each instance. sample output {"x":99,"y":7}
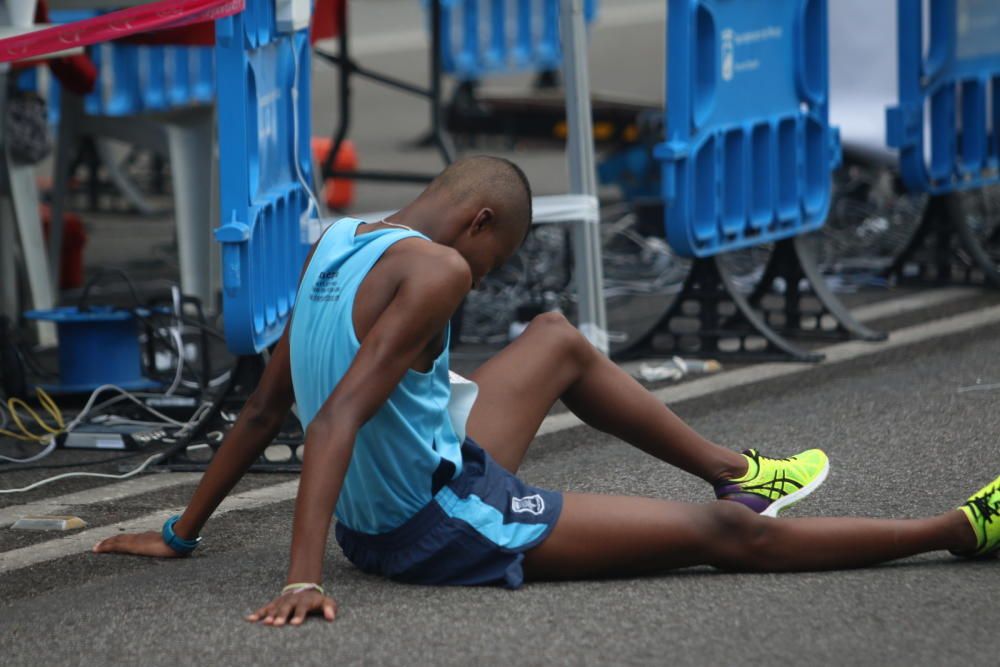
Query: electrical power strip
{"x":104,"y":436}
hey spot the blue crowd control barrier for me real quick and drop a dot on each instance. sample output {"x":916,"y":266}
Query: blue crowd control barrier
{"x":133,"y":79}
{"x":483,"y":37}
{"x":949,"y":95}
{"x":203,"y":85}
{"x":154,"y":93}
{"x":28,"y":80}
{"x":125,"y":95}
{"x":749,"y":149}
{"x":264,"y":233}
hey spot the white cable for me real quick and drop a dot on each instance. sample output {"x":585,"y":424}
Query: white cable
{"x":175,"y":335}
{"x":214,"y":382}
{"x":85,"y":474}
{"x":178,"y":375}
{"x":51,"y":446}
{"x":40,"y":455}
{"x":35,"y":457}
{"x":118,"y":399}
{"x":218,"y":380}
{"x":314,"y":203}
{"x":90,"y":402}
{"x":184,"y":427}
{"x":115,"y":420}
{"x":88,"y":407}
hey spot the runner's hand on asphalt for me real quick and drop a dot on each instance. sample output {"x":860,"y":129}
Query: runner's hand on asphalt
{"x":138,"y":544}
{"x":295,"y":606}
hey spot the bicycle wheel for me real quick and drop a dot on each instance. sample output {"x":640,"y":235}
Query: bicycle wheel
{"x":977,"y":222}
{"x":872,"y":220}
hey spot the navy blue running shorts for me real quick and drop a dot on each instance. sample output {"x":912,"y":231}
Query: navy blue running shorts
{"x":474,"y":532}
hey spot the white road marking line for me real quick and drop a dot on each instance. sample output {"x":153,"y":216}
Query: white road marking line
{"x":841,"y":352}
{"x":84,"y":541}
{"x":908,"y":304}
{"x":100,"y":494}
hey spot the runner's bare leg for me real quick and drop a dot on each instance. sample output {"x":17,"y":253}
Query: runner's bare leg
{"x":550,"y":361}
{"x":598,"y":536}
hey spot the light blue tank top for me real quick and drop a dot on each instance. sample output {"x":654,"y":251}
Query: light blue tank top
{"x":397,"y":453}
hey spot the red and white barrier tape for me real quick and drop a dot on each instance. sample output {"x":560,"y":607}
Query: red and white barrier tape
{"x":115,"y":25}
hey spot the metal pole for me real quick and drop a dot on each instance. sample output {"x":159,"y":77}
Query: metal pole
{"x":189,"y":137}
{"x":591,"y":315}
{"x":20,"y":211}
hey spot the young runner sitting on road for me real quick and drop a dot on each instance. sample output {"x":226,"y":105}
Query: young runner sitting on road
{"x":365,"y":358}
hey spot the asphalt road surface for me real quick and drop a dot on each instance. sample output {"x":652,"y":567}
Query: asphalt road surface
{"x":911,"y":429}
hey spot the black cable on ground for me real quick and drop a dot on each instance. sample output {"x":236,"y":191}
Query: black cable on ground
{"x":213,"y":411}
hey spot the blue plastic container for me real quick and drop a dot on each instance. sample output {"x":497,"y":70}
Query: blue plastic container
{"x":947,"y":124}
{"x":488,"y":37}
{"x":265,"y":234}
{"x":97,"y":346}
{"x":749,"y":148}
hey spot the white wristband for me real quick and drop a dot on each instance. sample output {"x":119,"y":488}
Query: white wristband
{"x":298,"y":588}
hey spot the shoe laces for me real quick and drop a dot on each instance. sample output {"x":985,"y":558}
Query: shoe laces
{"x":757,"y":457}
{"x":983,"y":506}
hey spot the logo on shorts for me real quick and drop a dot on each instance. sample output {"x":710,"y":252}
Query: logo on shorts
{"x":531,"y":504}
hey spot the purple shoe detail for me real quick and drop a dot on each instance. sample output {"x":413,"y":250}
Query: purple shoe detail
{"x":725,"y":487}
{"x":757,"y":503}
{"x":735,"y":493}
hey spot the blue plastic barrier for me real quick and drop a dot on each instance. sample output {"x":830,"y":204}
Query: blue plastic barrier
{"x":749,"y":148}
{"x":949,"y":95}
{"x":264,"y":233}
{"x":483,"y":37}
{"x":133,"y":79}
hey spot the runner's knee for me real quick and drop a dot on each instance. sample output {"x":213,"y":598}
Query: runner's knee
{"x":739,"y":537}
{"x":555,"y":330}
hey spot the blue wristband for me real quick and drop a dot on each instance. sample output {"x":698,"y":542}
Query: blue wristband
{"x":178,"y":544}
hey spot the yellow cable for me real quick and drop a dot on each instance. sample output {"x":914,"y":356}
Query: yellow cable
{"x":16,"y":436}
{"x":50,"y":406}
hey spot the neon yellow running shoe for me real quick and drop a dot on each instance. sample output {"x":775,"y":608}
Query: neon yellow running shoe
{"x":771,"y":485}
{"x":983,"y":512}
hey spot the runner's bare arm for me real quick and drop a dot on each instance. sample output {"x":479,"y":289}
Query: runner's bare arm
{"x":426,"y":296}
{"x":424,"y":301}
{"x":258,"y":423}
